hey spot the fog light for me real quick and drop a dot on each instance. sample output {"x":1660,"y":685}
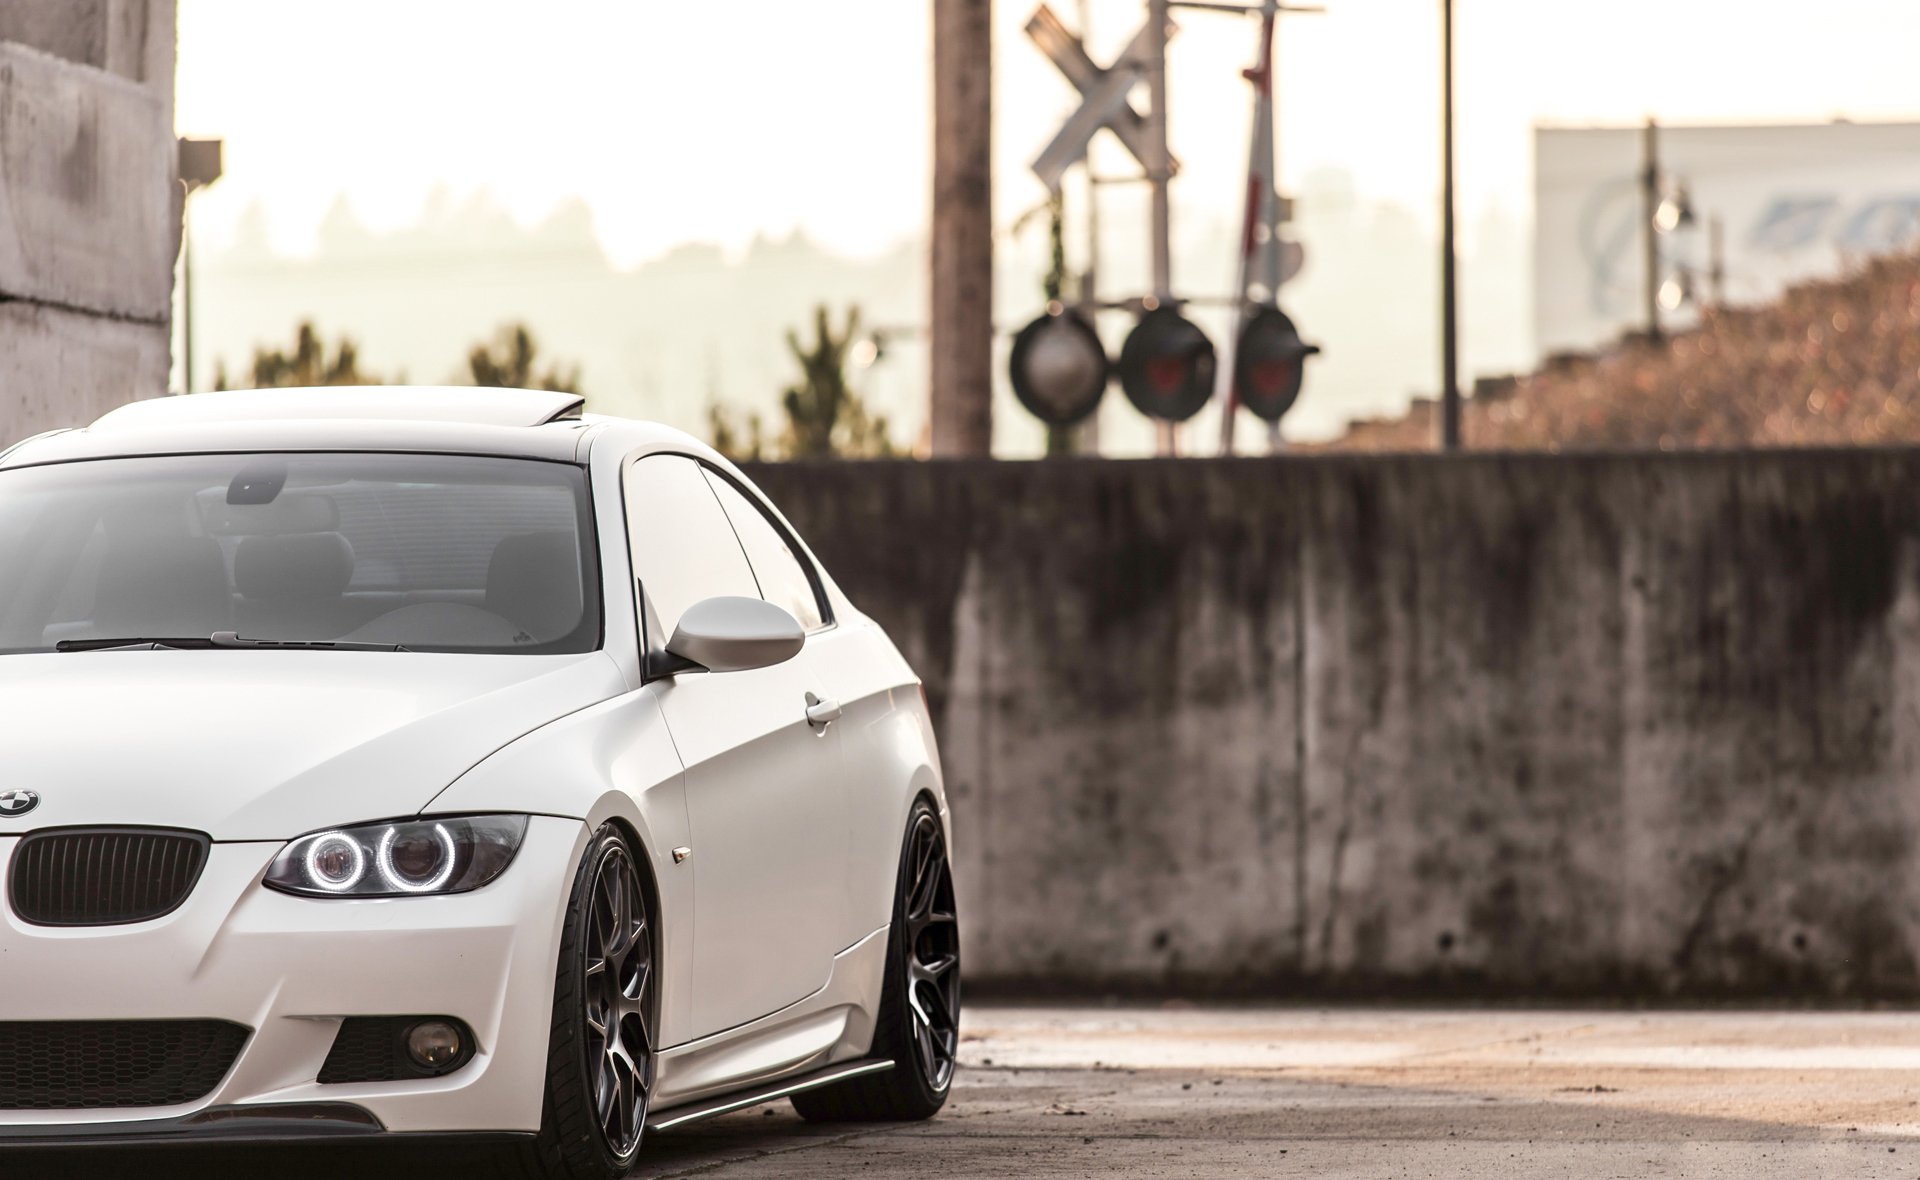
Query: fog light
{"x":434,"y":1044}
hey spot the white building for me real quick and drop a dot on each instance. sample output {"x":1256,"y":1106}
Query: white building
{"x":1796,"y":202}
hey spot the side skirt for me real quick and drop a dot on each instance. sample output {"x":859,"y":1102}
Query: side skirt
{"x":693,"y":1112}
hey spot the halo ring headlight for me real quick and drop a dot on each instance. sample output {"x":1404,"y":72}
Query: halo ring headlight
{"x":390,"y":870}
{"x":411,"y":857}
{"x":333,"y":862}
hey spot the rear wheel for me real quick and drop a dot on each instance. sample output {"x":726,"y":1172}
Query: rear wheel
{"x":600,"y":1061}
{"x":919,"y":1020}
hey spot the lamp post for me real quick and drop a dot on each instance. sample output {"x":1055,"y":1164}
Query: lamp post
{"x":1449,"y":307}
{"x":200,"y":164}
{"x":1716,"y":262}
{"x":1662,"y":212}
{"x":1649,"y":223}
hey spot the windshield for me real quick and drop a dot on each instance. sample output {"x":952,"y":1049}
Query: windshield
{"x":422,"y":552}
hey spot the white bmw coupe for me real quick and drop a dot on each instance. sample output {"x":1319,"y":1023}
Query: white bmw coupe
{"x":419,"y":762}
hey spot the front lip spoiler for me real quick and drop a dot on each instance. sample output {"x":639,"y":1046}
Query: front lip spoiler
{"x":268,"y":1122}
{"x":336,"y":1122}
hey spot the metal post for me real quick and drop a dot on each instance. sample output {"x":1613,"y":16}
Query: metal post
{"x":1161,"y":170}
{"x":1261,"y":212}
{"x":1086,"y":436}
{"x":1090,"y":278}
{"x":961,"y":303}
{"x":1716,"y":262}
{"x":1158,"y":175}
{"x":1649,"y":217}
{"x":186,"y":296}
{"x":199,"y":163}
{"x":1269,"y":151}
{"x":1449,"y":309}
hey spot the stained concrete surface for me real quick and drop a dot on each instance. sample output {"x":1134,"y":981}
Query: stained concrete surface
{"x":89,"y":208}
{"x":1425,"y":726}
{"x":1246,"y":1092}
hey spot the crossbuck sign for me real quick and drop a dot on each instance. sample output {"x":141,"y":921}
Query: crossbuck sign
{"x":1103,"y":94}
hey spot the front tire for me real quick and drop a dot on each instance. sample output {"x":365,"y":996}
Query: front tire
{"x":919,"y":1021}
{"x":600,"y":1057}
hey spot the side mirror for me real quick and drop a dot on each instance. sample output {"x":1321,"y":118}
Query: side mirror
{"x":734,"y":635}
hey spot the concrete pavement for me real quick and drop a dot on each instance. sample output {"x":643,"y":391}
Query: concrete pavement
{"x":1257,"y":1092}
{"x":1073,"y":1092}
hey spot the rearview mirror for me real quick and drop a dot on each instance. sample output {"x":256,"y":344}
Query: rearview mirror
{"x":735,"y":635}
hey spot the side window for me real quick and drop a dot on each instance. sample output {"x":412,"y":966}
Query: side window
{"x":783,"y":580}
{"x":683,"y":546}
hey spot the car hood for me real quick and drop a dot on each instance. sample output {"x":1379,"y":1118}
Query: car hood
{"x":266,"y":745}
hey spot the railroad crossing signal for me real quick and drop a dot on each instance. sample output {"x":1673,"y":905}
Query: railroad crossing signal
{"x":1166,"y":366}
{"x":1268,"y":364}
{"x":1059,"y":367}
{"x":1105,"y":100}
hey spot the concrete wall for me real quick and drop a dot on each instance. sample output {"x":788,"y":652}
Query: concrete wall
{"x":89,"y":208}
{"x":1571,"y":726}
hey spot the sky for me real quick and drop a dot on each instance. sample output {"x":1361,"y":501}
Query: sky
{"x":719,"y":120}
{"x":727,"y":122}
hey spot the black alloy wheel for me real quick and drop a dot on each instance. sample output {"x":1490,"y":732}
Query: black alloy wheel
{"x":933,"y":955}
{"x":918,"y":1025}
{"x":617,"y":995}
{"x":601,"y":1053}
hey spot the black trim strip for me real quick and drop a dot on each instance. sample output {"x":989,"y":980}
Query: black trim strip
{"x":706,"y":1108}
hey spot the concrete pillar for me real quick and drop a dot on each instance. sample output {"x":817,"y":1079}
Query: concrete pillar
{"x":89,"y":208}
{"x":962,"y":299}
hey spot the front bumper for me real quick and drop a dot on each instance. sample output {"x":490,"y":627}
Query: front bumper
{"x":290,"y":969}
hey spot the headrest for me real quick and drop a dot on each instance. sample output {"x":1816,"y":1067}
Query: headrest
{"x":293,"y":565}
{"x":533,"y":582}
{"x":162,"y":585}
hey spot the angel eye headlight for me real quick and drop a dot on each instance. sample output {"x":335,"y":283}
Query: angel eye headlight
{"x":421,"y":861}
{"x":399,"y":858}
{"x":333,"y":862}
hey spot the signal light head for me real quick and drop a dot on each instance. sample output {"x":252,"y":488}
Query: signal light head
{"x":1269,"y":364}
{"x":1058,"y":367}
{"x":1166,"y":366}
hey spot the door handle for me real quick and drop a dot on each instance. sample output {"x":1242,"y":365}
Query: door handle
{"x":822,"y":713}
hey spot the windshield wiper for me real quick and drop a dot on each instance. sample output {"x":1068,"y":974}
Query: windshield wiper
{"x":232,"y":639}
{"x":222,"y":639}
{"x":133,"y":643}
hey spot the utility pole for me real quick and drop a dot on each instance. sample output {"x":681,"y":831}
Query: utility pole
{"x":1449,"y":308}
{"x":962,"y":250}
{"x":1649,"y":223}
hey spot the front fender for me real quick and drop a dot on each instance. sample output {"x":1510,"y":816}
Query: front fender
{"x":610,"y":762}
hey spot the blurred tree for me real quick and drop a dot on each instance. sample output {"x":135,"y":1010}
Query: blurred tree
{"x":508,"y":361}
{"x":825,"y":417}
{"x":742,"y":444}
{"x":306,"y":365}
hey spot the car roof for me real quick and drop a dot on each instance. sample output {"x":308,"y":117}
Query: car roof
{"x":476,"y":405}
{"x":527,"y":423}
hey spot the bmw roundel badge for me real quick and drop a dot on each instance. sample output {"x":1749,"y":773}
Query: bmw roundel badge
{"x":20,"y":802}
